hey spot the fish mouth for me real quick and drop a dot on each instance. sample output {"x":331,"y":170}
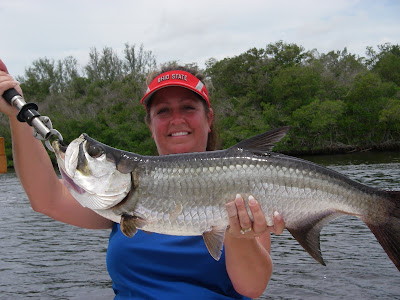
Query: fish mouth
{"x":70,"y":184}
{"x":60,"y":149}
{"x":63,"y":147}
{"x":59,"y":146}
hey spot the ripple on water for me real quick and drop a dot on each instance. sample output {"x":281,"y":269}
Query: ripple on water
{"x":44,"y":259}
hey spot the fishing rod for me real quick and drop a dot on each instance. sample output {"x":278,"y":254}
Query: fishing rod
{"x":28,"y":112}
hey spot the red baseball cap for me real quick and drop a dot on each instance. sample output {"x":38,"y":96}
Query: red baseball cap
{"x":176,"y":78}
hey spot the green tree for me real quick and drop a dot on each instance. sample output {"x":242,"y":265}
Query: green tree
{"x":138,"y":62}
{"x":294,"y":87}
{"x":338,"y":70}
{"x":366,"y":98}
{"x":386,"y":63}
{"x":317,"y":125}
{"x":38,"y":79}
{"x":333,"y":101}
{"x":104,"y":66}
{"x":390,"y":117}
{"x":287,"y":55}
{"x":237,"y":76}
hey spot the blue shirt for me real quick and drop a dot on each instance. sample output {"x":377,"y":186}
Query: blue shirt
{"x":157,"y":266}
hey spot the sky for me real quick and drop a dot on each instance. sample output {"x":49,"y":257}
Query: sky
{"x":189,"y":31}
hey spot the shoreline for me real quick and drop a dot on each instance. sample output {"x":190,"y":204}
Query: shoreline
{"x":343,"y":150}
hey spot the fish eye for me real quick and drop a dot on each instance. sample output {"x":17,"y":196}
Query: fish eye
{"x":95,"y":151}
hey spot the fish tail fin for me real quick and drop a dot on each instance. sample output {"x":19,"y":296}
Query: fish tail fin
{"x":388,"y":233}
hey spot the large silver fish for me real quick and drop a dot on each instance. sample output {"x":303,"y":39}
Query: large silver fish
{"x":185,"y":194}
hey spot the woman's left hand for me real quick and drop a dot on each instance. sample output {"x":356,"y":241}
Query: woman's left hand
{"x":241,"y":225}
{"x":247,"y":246}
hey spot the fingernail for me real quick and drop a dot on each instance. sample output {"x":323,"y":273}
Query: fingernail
{"x":252,"y":201}
{"x":276,"y":214}
{"x":239,"y":199}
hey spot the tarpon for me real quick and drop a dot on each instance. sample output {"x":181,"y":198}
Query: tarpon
{"x":185,"y":194}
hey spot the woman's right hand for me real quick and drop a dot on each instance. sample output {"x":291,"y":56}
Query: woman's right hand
{"x":7,"y":82}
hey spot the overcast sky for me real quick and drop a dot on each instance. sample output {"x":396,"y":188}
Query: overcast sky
{"x":189,"y":31}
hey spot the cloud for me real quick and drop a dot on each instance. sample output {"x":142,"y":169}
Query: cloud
{"x":189,"y":31}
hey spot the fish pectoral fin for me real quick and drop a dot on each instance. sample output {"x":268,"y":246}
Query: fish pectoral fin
{"x":214,"y":240}
{"x":129,"y":224}
{"x":308,"y":233}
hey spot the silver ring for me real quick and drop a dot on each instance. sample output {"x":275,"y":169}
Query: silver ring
{"x":243,"y":231}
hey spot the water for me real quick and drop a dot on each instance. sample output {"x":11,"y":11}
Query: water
{"x":356,"y":265}
{"x":44,"y":259}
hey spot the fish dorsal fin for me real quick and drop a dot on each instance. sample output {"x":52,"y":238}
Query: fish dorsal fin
{"x":263,"y":142}
{"x":308,"y":233}
{"x":214,"y":240}
{"x":129,"y":224}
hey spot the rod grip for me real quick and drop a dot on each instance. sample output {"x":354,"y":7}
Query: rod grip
{"x":9,"y":94}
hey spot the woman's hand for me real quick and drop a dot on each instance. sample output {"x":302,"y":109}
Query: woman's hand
{"x":241,"y":225}
{"x":247,"y":246}
{"x":7,"y":82}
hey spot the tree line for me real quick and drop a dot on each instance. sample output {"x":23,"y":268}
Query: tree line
{"x":334,"y":102}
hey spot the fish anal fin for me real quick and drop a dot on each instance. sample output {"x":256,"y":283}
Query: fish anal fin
{"x":214,"y":240}
{"x":307,"y":233}
{"x":263,"y":142}
{"x":129,"y":224}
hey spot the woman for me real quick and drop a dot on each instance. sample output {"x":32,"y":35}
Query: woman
{"x":156,"y":266}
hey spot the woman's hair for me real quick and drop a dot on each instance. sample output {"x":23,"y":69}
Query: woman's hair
{"x":212,"y":135}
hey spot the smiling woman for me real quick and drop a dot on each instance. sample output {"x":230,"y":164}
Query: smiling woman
{"x":156,"y":266}
{"x":178,"y":121}
{"x":196,"y":89}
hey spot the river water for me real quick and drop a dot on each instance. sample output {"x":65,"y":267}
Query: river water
{"x":44,"y":259}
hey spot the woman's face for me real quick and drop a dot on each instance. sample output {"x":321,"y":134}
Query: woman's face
{"x":178,"y":121}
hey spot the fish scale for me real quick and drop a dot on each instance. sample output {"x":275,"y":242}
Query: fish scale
{"x":185,"y":194}
{"x":246,"y":175}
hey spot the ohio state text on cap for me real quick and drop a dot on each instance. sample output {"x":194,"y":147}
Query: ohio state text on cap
{"x":176,"y":78}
